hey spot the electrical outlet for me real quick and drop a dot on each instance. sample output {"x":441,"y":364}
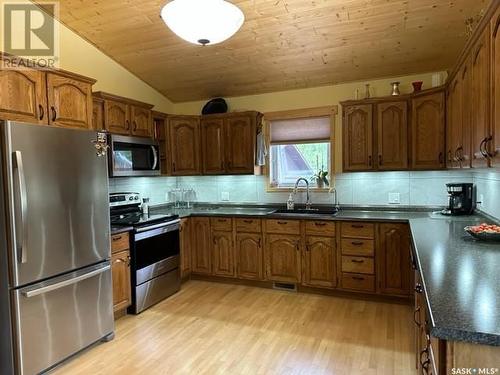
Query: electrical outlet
{"x":394,"y":198}
{"x":224,"y":196}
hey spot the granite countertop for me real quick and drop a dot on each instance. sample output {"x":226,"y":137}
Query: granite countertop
{"x":461,"y":276}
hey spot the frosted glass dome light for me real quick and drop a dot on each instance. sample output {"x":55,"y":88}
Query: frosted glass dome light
{"x":203,"y":21}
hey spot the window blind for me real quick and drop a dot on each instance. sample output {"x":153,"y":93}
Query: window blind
{"x":300,"y":130}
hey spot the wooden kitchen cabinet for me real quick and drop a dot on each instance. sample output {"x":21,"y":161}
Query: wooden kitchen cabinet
{"x":319,"y":266}
{"x":481,"y":94}
{"x":283,"y":259}
{"x":26,"y":100}
{"x":126,"y":116}
{"x":69,"y":101}
{"x":184,"y":145}
{"x":97,"y":113}
{"x":160,"y":135}
{"x":212,"y":145}
{"x":120,"y":271}
{"x":494,"y":143}
{"x":185,"y":247}
{"x":394,"y":268}
{"x":222,"y":253}
{"x":392,"y":135}
{"x":201,"y":261}
{"x":249,"y":256}
{"x":228,"y":143}
{"x":357,"y":137}
{"x":428,"y":131}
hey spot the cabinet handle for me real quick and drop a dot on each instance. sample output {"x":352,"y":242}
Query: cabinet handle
{"x":222,"y":220}
{"x":357,"y":226}
{"x":449,"y":155}
{"x":440,"y":157}
{"x":260,"y":243}
{"x":173,"y":165}
{"x":422,"y":362}
{"x":415,"y":312}
{"x":380,"y":160}
{"x":297,"y":245}
{"x":127,"y":124}
{"x":418,"y":288}
{"x":282,"y":222}
{"x":248,"y":221}
{"x":119,"y":260}
{"x":319,"y":224}
{"x":481,"y":148}
{"x":357,"y":243}
{"x":357,"y":261}
{"x":308,"y":248}
{"x":117,"y":238}
{"x":370,"y":160}
{"x":41,"y":112}
{"x":359,"y":278}
{"x":487,"y":152}
{"x":128,"y":260}
{"x":135,"y":125}
{"x":54,"y":113}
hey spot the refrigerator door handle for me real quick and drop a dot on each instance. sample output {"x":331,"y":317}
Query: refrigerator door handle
{"x":62,"y":284}
{"x":23,"y":199}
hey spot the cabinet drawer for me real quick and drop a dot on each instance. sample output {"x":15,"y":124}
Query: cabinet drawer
{"x":358,"y":282}
{"x":355,"y":229}
{"x":221,"y":223}
{"x":355,"y":246}
{"x":283,"y":226}
{"x":248,"y":225}
{"x":322,"y":228}
{"x":357,"y":265}
{"x":120,"y":242}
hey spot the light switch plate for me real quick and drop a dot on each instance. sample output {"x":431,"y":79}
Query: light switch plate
{"x":394,"y":198}
{"x":224,"y":196}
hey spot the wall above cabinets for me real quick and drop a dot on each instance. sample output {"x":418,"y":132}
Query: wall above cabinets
{"x":207,"y":145}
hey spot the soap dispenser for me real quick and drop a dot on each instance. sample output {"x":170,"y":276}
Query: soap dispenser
{"x":290,"y":204}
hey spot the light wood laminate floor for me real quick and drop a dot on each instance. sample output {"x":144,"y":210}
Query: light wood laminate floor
{"x":213,"y":328}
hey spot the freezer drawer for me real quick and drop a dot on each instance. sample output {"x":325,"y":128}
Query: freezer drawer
{"x":61,"y":316}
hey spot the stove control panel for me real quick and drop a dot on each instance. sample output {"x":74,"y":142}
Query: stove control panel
{"x":123,"y":199}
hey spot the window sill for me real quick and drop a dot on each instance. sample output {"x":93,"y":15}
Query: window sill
{"x":300,"y":190}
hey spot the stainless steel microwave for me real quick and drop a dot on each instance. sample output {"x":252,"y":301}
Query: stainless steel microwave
{"x":133,"y":156}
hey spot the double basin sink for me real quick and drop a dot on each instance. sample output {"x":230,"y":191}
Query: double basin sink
{"x":271,"y":211}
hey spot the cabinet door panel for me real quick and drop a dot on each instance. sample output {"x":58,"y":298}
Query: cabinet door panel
{"x":358,"y":138}
{"x":454,"y":123}
{"x":494,"y":145}
{"x":201,"y":261}
{"x":283,"y":258}
{"x":184,"y":145}
{"x":69,"y":102}
{"x":466,"y":104}
{"x":141,"y":122}
{"x":392,"y":135}
{"x":249,"y":257}
{"x":240,"y":141}
{"x":116,"y":117}
{"x":212,"y":142}
{"x":319,"y":262}
{"x":23,"y":96}
{"x":97,"y":114}
{"x":120,"y":272}
{"x":185,"y":244}
{"x":428,"y":132}
{"x":394,"y":256}
{"x":480,"y":100}
{"x":223,"y":253}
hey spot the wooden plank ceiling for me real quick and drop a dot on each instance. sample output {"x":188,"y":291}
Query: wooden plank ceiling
{"x":283,"y":44}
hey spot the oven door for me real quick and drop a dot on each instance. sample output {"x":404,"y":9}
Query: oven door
{"x":133,"y":156}
{"x":155,"y":251}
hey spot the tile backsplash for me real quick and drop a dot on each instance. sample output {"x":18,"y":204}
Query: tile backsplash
{"x":373,"y":189}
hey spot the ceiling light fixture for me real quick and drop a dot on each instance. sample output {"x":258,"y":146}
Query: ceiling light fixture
{"x":203,"y":21}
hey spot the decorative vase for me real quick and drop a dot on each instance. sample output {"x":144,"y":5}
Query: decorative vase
{"x":367,"y":91}
{"x":395,"y":89}
{"x":417,"y":86}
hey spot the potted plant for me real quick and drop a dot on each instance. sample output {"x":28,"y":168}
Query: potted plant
{"x":321,"y":178}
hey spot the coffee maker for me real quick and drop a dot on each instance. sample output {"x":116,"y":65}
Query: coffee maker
{"x":461,"y":199}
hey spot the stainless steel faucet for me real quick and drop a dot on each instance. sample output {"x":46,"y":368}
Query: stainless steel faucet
{"x":335,"y":198}
{"x":308,"y":198}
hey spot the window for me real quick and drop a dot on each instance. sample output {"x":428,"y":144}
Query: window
{"x":300,"y":146}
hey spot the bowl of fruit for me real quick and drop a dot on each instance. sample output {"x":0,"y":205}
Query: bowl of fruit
{"x":484,"y":232}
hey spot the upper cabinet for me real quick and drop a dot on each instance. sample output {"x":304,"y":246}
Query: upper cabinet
{"x":392,"y":135}
{"x":126,"y":116}
{"x":184,"y":145}
{"x":428,"y":131}
{"x":55,"y":97}
{"x":228,"y":143}
{"x":358,"y":137}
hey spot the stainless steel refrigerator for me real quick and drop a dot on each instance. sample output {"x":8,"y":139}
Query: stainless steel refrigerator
{"x":55,"y":276}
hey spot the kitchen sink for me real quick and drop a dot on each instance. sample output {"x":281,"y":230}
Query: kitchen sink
{"x":310,"y":211}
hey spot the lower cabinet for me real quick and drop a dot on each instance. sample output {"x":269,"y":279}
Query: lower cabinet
{"x":120,"y":271}
{"x":222,"y":254}
{"x":185,"y":247}
{"x":201,"y":261}
{"x":319,"y":262}
{"x":283,"y":257}
{"x":249,"y":256}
